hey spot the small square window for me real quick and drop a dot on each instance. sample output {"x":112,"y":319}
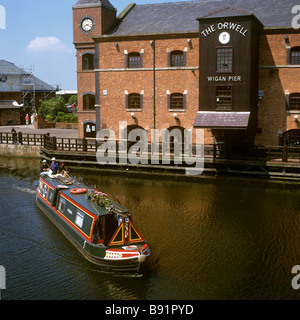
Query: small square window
{"x":177,"y":59}
{"x":134,"y":60}
{"x":294,"y":101}
{"x":295,"y":55}
{"x":176,"y":101}
{"x":134,"y":101}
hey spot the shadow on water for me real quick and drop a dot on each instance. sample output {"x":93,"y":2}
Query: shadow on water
{"x":221,"y":238}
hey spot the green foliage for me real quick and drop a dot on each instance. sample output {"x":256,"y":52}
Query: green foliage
{"x":72,"y":99}
{"x":55,"y":109}
{"x":66,"y":117}
{"x":52,"y":107}
{"x":49,"y":117}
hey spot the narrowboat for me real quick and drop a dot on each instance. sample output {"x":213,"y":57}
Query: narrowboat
{"x":102,"y":230}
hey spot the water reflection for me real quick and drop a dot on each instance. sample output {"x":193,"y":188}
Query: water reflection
{"x":219,"y":238}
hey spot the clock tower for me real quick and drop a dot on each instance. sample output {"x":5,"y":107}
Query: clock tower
{"x":90,"y":18}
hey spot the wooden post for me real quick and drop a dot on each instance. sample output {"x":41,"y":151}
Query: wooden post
{"x":20,"y":138}
{"x":284,"y":153}
{"x":84,"y":145}
{"x":54,"y":146}
{"x":214,"y":151}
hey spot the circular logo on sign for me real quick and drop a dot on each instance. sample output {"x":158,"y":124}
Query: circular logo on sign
{"x":224,"y":37}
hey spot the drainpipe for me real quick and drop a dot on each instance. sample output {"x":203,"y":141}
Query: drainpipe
{"x":152,"y":42}
{"x":97,"y":86}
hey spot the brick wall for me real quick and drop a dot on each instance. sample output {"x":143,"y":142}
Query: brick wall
{"x":9,"y":117}
{"x":275,"y":77}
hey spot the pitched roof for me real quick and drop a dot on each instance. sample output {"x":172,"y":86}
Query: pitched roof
{"x":9,"y":69}
{"x":181,"y":16}
{"x":84,"y":3}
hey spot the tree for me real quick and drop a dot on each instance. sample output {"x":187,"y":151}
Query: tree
{"x":52,"y":107}
{"x":72,"y":99}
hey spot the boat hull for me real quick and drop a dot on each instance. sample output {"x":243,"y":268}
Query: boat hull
{"x":96,"y":254}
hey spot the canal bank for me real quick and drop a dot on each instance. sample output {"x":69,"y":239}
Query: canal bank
{"x":16,"y":150}
{"x":270,"y":170}
{"x":272,"y":163}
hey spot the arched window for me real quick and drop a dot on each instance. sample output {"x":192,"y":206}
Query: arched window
{"x":295,"y":55}
{"x":88,"y":101}
{"x":134,"y":60}
{"x":291,"y":138}
{"x":177,"y":58}
{"x":294,"y":103}
{"x":88,"y":61}
{"x":90,"y":129}
{"x":176,"y":101}
{"x":134,"y":101}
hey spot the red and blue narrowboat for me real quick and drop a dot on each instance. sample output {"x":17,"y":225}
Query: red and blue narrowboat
{"x":99,"y":228}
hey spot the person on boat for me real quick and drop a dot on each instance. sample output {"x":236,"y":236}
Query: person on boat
{"x":45,"y":170}
{"x":54,"y":166}
{"x":44,"y":166}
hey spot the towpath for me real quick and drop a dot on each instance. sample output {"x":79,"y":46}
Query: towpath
{"x":59,"y":133}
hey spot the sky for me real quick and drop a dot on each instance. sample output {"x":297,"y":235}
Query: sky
{"x":38,"y":35}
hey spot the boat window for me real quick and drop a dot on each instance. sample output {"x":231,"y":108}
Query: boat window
{"x":40,"y":186}
{"x":45,"y":191}
{"x":79,"y":218}
{"x":50,"y":195}
{"x":61,"y":204}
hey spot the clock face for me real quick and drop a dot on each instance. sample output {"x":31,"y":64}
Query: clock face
{"x":224,"y":37}
{"x":87,"y":24}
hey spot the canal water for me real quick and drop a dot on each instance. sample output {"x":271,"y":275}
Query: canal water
{"x":218,"y":238}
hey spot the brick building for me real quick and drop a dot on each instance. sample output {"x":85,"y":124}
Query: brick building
{"x":231,"y":67}
{"x":22,"y":86}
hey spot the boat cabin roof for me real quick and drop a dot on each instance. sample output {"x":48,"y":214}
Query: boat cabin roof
{"x":80,"y":198}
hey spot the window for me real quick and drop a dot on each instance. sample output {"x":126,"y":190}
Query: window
{"x":177,"y":59}
{"x":89,"y":129}
{"x":134,"y":60}
{"x":79,"y":218}
{"x":89,"y":102}
{"x":134,"y":101}
{"x":50,"y":195}
{"x":224,"y":59}
{"x":40,"y":186}
{"x":61,"y":204}
{"x":295,"y":55}
{"x":294,"y":101}
{"x":176,"y":101}
{"x":45,"y":191}
{"x":88,"y":61}
{"x":223,"y":98}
